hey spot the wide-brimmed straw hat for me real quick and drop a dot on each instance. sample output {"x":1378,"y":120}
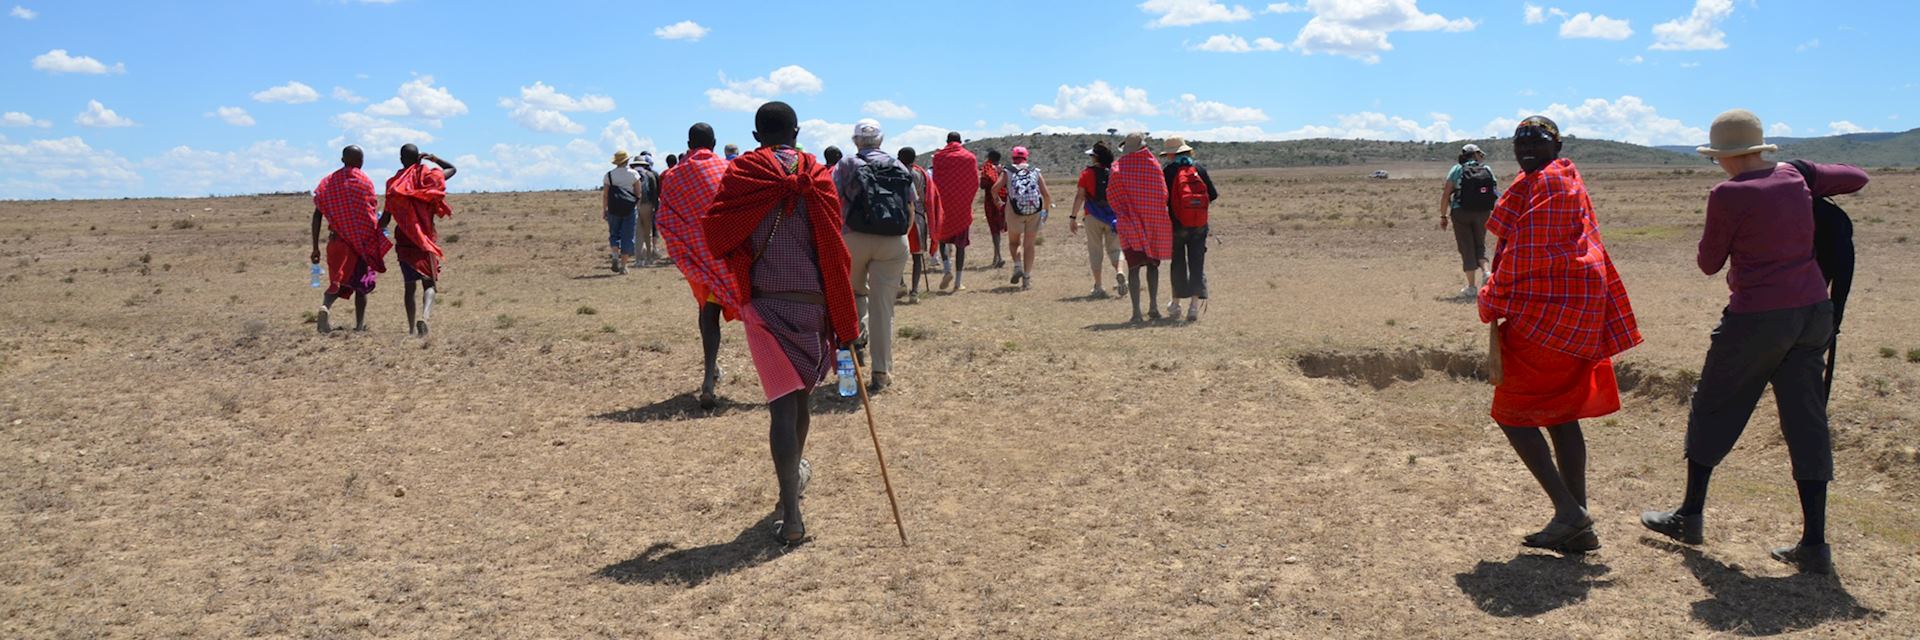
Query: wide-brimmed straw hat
{"x":1736,"y":133}
{"x":1176,"y":145}
{"x":620,"y":157}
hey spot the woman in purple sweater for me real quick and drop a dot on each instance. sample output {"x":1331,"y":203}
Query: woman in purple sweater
{"x":1774,"y":329}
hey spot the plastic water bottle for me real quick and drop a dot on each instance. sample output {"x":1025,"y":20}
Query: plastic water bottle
{"x":848,"y":387}
{"x":316,"y":276}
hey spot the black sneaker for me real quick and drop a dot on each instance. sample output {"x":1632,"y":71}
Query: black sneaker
{"x":1672,"y":524}
{"x":1807,"y":558}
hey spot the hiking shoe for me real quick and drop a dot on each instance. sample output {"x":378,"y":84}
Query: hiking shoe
{"x":1672,"y":524}
{"x":1807,"y":558}
{"x":420,"y":328}
{"x":1026,"y":282}
{"x":323,"y":321}
{"x":1119,"y":283}
{"x":879,"y":383}
{"x":1097,"y":293}
{"x":1173,"y":309}
{"x":1017,"y":275}
{"x":1193,"y":311}
{"x":614,"y":264}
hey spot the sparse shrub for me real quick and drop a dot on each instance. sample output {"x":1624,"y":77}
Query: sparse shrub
{"x":67,"y":280}
{"x":656,"y":346}
{"x":309,"y":317}
{"x":1888,"y":352}
{"x":146,"y":258}
{"x":1913,"y":355}
{"x":184,"y":224}
{"x":503,"y":321}
{"x":914,"y":333}
{"x":452,"y":238}
{"x":226,"y":401}
{"x":586,"y":310}
{"x":607,"y":328}
{"x":241,"y":267}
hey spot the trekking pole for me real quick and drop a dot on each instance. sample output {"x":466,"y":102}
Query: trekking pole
{"x":867,"y":404}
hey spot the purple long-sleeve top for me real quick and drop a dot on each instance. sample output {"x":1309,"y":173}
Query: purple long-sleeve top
{"x":1762,"y":222}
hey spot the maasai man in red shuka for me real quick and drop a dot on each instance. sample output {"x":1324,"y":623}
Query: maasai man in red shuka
{"x":356,"y":252}
{"x":995,"y":203}
{"x":1558,"y":313}
{"x":776,"y":223}
{"x":953,"y":175}
{"x":1137,"y":191}
{"x":686,"y":193}
{"x":926,"y":218}
{"x":415,"y":196}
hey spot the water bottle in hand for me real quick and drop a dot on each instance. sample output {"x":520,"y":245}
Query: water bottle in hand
{"x":848,"y":387}
{"x":316,"y":277}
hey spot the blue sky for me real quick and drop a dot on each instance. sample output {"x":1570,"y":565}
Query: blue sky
{"x":111,"y":99}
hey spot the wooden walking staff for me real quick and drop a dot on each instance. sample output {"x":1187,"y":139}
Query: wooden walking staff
{"x":858,"y":380}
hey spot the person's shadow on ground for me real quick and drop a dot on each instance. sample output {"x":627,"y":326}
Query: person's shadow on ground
{"x":663,"y":564}
{"x":685,"y":406}
{"x":1758,"y":606}
{"x":1531,"y":584}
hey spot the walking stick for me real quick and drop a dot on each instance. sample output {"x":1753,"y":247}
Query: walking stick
{"x":871,"y":431}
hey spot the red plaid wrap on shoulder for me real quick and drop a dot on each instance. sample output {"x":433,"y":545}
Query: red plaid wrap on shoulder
{"x":415,"y":196}
{"x":953,"y":172}
{"x":345,"y":198}
{"x":755,"y":184}
{"x":1137,"y":191}
{"x":686,"y":193}
{"x":1552,"y":279}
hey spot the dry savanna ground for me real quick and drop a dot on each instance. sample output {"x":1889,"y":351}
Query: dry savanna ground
{"x":182,"y":456}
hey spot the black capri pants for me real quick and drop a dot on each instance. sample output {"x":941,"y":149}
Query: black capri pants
{"x":1784,"y":347}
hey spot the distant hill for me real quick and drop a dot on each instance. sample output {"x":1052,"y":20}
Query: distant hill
{"x":1876,"y":149}
{"x":1057,"y":150}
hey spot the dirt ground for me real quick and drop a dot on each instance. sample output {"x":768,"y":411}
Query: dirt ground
{"x":182,"y":456}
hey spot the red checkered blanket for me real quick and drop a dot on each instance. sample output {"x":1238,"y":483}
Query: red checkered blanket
{"x":1137,"y":191}
{"x":345,"y":198}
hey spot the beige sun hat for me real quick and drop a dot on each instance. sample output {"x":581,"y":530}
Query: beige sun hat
{"x":1176,"y":145}
{"x":1736,"y":133}
{"x":1134,"y":142}
{"x":620,"y":157}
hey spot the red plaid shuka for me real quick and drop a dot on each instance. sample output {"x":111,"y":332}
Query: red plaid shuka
{"x":953,"y":168}
{"x":1137,"y":191}
{"x":686,"y":192}
{"x":345,"y":198}
{"x":1551,"y":277}
{"x":415,"y":196}
{"x":754,"y":184}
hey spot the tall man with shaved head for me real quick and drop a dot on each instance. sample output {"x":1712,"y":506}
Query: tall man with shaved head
{"x":415,"y":196}
{"x":356,"y":251}
{"x":954,"y":178}
{"x":686,"y":192}
{"x":776,"y":224}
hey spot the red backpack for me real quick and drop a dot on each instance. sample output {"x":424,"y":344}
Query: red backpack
{"x":1190,"y":198}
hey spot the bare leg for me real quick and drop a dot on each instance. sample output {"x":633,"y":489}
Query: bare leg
{"x":1570,"y":451}
{"x":1153,"y":289}
{"x":360,"y":312}
{"x":996,"y":250}
{"x":709,"y":350}
{"x":408,"y":298}
{"x":919,"y":265}
{"x":784,"y":441}
{"x":1532,"y":448}
{"x":324,"y":322}
{"x":1027,"y":240}
{"x":1133,"y":291}
{"x":959,"y":268}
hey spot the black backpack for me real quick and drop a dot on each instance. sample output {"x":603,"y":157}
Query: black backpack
{"x":1833,"y":250}
{"x":623,"y":198}
{"x":882,"y":206}
{"x":1476,"y":188}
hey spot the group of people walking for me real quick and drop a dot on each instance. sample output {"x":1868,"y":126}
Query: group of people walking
{"x":1558,"y":312}
{"x":809,"y":256}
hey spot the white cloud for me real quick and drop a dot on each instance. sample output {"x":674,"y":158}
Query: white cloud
{"x":64,"y":167}
{"x":18,"y":119}
{"x":1808,"y":45}
{"x":1237,"y":44}
{"x":374,"y":133}
{"x":1628,"y":119}
{"x":263,"y":167}
{"x":1194,"y":110}
{"x":542,"y":108}
{"x":1698,"y":31}
{"x":748,"y":95}
{"x":1094,"y":101}
{"x":100,"y":117}
{"x":1365,"y":125}
{"x":1780,"y":129}
{"x":1587,"y":25}
{"x":578,"y":163}
{"x":346,"y":95}
{"x":817,"y":134}
{"x":290,"y":93}
{"x":1182,"y":13}
{"x":682,"y":30}
{"x":389,"y":108}
{"x":1844,"y":127}
{"x":429,"y":102}
{"x":1634,"y":60}
{"x":545,"y":97}
{"x":235,"y":116}
{"x":1358,"y":28}
{"x":887,"y":109}
{"x":1534,"y":14}
{"x":619,"y":136}
{"x":1285,"y":7}
{"x":23,"y":13}
{"x":57,"y":61}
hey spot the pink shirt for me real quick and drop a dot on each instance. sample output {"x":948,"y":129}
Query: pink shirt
{"x":1762,"y":223}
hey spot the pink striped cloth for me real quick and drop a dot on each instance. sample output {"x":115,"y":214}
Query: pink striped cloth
{"x":1137,"y":191}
